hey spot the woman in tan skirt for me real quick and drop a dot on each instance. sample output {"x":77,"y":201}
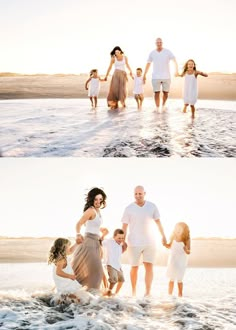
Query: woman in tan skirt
{"x":118,"y":86}
{"x":86,"y":260}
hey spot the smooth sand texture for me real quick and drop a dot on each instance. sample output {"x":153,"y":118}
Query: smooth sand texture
{"x":216,"y":86}
{"x":205,"y":252}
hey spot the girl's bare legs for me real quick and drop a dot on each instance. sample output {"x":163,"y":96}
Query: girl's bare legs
{"x":185,"y":108}
{"x":95,"y":101}
{"x":180,"y":288}
{"x":171,"y":287}
{"x":91,"y":100}
{"x":193,"y":110}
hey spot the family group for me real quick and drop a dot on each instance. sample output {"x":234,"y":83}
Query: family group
{"x":161,"y":79}
{"x":96,"y":260}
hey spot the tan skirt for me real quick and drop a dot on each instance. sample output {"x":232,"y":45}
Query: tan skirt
{"x":86,"y":262}
{"x":118,"y":89}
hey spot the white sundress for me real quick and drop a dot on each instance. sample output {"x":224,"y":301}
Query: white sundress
{"x":177,"y":262}
{"x":94,"y":86}
{"x":65,"y":285}
{"x":190,"y":89}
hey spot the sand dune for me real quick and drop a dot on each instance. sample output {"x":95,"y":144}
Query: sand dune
{"x":205,"y":252}
{"x":13,"y":86}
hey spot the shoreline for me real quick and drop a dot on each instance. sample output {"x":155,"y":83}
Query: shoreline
{"x":214,"y":87}
{"x":206,"y":253}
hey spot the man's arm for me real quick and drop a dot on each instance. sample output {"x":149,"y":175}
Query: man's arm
{"x":146,"y":71}
{"x":176,"y":67}
{"x":161,"y":230}
{"x":124,"y":228}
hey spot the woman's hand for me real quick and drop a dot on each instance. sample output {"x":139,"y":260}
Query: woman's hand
{"x":79,"y":239}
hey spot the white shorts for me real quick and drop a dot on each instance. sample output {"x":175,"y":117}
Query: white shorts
{"x":157,"y":83}
{"x":148,"y":253}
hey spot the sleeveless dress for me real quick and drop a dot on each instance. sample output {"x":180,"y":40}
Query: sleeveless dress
{"x":118,"y":86}
{"x":177,"y":262}
{"x":65,"y":285}
{"x":86,"y":261}
{"x":94,"y":87}
{"x":190,"y":89}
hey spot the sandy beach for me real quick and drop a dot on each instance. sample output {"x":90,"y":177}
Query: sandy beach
{"x":210,"y":252}
{"x":14,"y":86}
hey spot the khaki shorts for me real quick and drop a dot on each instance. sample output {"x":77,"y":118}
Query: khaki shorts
{"x":149,"y":254}
{"x":157,"y":83}
{"x":115,"y":275}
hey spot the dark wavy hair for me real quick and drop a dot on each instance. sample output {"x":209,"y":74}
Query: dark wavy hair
{"x":58,"y":250}
{"x":112,"y":53}
{"x":91,"y":197}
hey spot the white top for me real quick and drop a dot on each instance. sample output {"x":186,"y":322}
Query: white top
{"x":112,"y":253}
{"x":160,"y":62}
{"x":93,"y":226}
{"x":142,"y":228}
{"x":138,"y":85}
{"x":190,"y":89}
{"x":177,"y":261}
{"x":120,"y":65}
{"x":94,"y":86}
{"x":65,"y":285}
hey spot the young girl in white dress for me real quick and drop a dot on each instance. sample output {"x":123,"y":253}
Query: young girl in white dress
{"x":63,"y":275}
{"x":93,"y":87}
{"x":190,"y":74}
{"x":179,"y":249}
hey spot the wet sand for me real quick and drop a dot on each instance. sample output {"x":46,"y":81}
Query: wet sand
{"x":13,"y":86}
{"x":205,"y":252}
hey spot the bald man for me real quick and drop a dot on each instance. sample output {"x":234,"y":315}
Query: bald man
{"x":160,"y":57}
{"x":139,"y":219}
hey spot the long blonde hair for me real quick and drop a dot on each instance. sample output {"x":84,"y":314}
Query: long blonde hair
{"x":58,"y":250}
{"x":185,"y":67}
{"x":185,"y":237}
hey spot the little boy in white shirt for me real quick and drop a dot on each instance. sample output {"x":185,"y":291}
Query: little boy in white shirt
{"x":113,"y":249}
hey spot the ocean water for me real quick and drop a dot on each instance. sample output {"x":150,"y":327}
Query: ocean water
{"x":68,"y":127}
{"x":209,"y":302}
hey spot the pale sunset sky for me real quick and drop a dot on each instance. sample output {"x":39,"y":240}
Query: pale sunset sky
{"x":74,"y":36}
{"x":45,"y":196}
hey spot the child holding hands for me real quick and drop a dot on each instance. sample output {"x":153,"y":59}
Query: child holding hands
{"x":179,"y":249}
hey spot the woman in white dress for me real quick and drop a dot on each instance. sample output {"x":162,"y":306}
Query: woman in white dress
{"x":177,"y":262}
{"x":190,"y":74}
{"x":118,"y":87}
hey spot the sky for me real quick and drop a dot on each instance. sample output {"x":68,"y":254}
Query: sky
{"x":45,"y":196}
{"x":74,"y":36}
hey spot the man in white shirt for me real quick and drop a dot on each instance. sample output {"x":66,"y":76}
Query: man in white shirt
{"x":160,"y":57}
{"x":140,"y":218}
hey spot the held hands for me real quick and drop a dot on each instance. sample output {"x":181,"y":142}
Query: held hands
{"x":164,"y":241}
{"x":79,"y":239}
{"x":186,"y":250}
{"x":72,"y":277}
{"x":124,"y":247}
